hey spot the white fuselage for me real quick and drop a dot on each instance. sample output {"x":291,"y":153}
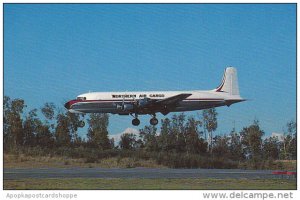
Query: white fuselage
{"x":151,"y":102}
{"x":109,"y":102}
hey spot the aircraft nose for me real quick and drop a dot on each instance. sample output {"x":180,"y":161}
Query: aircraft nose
{"x":67,"y":105}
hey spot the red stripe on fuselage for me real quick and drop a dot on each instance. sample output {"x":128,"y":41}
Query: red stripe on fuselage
{"x":72,"y":102}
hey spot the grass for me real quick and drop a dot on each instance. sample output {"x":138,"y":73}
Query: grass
{"x":150,"y":184}
{"x":287,"y":164}
{"x":24,"y":161}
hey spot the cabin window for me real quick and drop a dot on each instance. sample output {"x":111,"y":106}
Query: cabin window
{"x":81,"y":98}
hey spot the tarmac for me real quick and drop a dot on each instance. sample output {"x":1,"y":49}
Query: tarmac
{"x":14,"y":174}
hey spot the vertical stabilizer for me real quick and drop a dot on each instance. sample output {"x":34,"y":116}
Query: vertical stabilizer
{"x":229,"y":82}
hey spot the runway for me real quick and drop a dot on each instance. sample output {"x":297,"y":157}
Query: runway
{"x":13,"y":174}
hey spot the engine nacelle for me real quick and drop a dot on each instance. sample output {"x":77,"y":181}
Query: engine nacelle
{"x":143,"y":102}
{"x":125,"y":107}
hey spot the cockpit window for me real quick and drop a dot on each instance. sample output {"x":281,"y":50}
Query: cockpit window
{"x":81,"y":98}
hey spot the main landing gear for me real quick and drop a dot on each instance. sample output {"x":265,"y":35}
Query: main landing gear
{"x":136,"y":121}
{"x":153,"y":120}
{"x":81,"y":123}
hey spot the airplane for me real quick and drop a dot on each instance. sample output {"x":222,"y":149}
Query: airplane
{"x":152,"y":102}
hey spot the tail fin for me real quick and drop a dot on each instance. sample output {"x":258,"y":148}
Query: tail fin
{"x":229,"y":82}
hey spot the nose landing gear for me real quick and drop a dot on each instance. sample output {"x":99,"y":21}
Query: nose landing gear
{"x":81,"y":124}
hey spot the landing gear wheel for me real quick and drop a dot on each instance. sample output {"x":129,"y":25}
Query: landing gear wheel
{"x":81,"y":124}
{"x":153,"y":121}
{"x":135,"y":122}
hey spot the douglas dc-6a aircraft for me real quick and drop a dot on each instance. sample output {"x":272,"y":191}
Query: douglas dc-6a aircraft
{"x":141,"y":103}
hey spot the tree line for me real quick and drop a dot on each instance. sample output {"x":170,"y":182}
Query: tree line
{"x":181,"y":140}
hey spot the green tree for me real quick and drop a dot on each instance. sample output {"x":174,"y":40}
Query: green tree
{"x":74,"y":124}
{"x":97,"y":131}
{"x":44,"y":137}
{"x":220,"y":147}
{"x":48,"y":110}
{"x":128,"y":141}
{"x":29,"y":128}
{"x":35,"y":132}
{"x":289,"y":144}
{"x":192,"y":139}
{"x":149,"y":138}
{"x":210,"y":123}
{"x":166,"y":141}
{"x":62,"y":130}
{"x":13,"y":123}
{"x":271,"y":148}
{"x":202,"y":146}
{"x":112,"y":143}
{"x":67,"y":124}
{"x":252,"y":140}
{"x":181,"y":135}
{"x":235,"y":146}
{"x":178,"y":129}
{"x":290,"y":140}
{"x":7,"y":136}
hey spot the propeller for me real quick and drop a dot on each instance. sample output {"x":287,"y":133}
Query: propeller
{"x":135,"y":102}
{"x":123,"y":103}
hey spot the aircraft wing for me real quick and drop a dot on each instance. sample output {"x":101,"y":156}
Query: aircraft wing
{"x":173,"y":99}
{"x":160,"y":105}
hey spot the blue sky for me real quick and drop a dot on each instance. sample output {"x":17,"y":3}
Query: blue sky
{"x":54,"y":52}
